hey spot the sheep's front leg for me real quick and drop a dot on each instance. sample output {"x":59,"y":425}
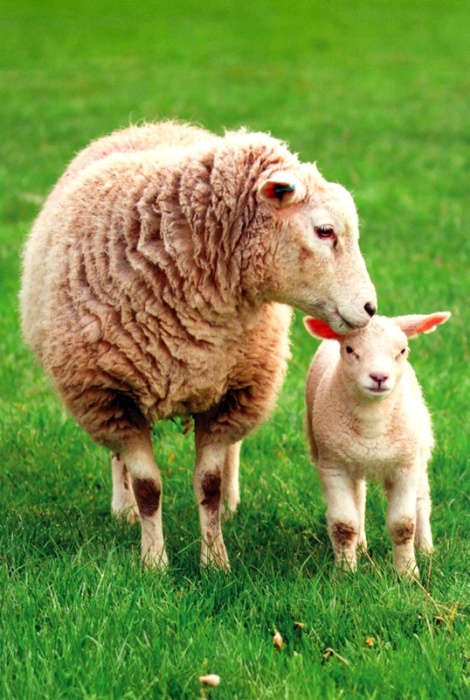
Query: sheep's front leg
{"x":208,"y":479}
{"x":343,"y":518}
{"x":401,"y":520}
{"x":230,"y":479}
{"x":123,"y":504}
{"x":137,"y":455}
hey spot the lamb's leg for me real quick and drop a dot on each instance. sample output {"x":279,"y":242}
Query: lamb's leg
{"x":123,"y":504}
{"x":208,"y":475}
{"x":401,"y":520}
{"x":147,"y":487}
{"x":423,"y":537}
{"x":342,"y":515}
{"x":360,"y":500}
{"x":230,"y":482}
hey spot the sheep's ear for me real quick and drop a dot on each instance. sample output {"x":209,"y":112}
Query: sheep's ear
{"x":415,"y":324}
{"x":282,"y":189}
{"x":320,"y":329}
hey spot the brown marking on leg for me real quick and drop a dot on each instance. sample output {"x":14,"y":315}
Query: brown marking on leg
{"x":126,"y":481}
{"x":211,"y":488}
{"x":147,"y":494}
{"x":402,"y":532}
{"x":343,"y":534}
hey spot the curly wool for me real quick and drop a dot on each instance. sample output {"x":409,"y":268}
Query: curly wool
{"x":135,"y":297}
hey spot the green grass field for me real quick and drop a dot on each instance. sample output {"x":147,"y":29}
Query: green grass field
{"x":376,"y":93}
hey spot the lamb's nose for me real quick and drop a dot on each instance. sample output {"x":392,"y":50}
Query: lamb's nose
{"x":370,"y":308}
{"x":379,"y":378}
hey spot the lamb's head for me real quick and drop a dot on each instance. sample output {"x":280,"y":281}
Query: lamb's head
{"x":373,"y":359}
{"x":314,"y":262}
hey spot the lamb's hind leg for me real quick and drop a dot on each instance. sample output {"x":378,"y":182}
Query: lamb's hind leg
{"x":137,"y":455}
{"x":423,"y":538}
{"x":360,"y":490}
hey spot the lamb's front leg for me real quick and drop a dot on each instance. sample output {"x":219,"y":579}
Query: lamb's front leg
{"x":401,"y":519}
{"x":343,"y":517}
{"x":210,"y":461}
{"x":137,"y":455}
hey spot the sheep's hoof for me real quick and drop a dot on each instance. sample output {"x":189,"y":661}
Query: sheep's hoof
{"x":214,"y":557}
{"x":156,"y":561}
{"x":129,"y":514}
{"x":229,"y":509}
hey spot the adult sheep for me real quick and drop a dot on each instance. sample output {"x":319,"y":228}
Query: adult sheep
{"x":154,"y":285}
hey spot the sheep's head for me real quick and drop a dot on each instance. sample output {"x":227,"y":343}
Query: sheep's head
{"x":373,"y":358}
{"x":313,"y":261}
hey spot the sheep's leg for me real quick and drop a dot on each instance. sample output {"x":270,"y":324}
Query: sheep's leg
{"x":360,"y":490}
{"x":343,"y":518}
{"x":423,"y":537}
{"x":401,"y":521}
{"x":208,"y":476}
{"x":147,"y":488}
{"x":123,"y":504}
{"x":230,"y":481}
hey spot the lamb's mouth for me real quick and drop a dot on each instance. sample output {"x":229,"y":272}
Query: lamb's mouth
{"x":377,"y":390}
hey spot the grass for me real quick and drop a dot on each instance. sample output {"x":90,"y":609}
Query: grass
{"x":377,"y":94}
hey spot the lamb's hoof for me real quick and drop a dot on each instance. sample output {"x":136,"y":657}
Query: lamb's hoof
{"x":409,"y":571}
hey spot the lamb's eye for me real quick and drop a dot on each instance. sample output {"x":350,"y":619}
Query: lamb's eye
{"x":325,"y":231}
{"x":402,"y":352}
{"x":349,"y":349}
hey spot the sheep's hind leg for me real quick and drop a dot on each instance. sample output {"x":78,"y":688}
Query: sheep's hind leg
{"x":123,"y":504}
{"x":208,"y":476}
{"x":230,"y":480}
{"x":137,"y":455}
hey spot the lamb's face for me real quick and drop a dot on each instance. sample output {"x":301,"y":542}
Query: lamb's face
{"x":373,"y":359}
{"x":315,"y":263}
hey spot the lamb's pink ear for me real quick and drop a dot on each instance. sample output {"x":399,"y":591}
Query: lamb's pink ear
{"x":320,"y":329}
{"x":418,"y":323}
{"x":282,"y":189}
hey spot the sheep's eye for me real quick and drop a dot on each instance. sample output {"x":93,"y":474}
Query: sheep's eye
{"x":349,"y":349}
{"x":325,"y":231}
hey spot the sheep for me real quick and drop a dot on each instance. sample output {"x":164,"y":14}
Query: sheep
{"x":366,"y":418}
{"x":157,"y":282}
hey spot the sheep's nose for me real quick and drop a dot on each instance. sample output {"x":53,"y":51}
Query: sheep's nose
{"x":370,"y":308}
{"x":379,"y":378}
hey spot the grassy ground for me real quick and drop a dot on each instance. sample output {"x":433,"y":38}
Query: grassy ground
{"x":377,"y":94}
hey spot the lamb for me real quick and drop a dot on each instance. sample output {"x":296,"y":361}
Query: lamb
{"x":156,"y":283}
{"x":366,"y":418}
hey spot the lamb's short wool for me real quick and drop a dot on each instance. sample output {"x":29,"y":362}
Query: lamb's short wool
{"x":154,"y":285}
{"x":366,"y":418}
